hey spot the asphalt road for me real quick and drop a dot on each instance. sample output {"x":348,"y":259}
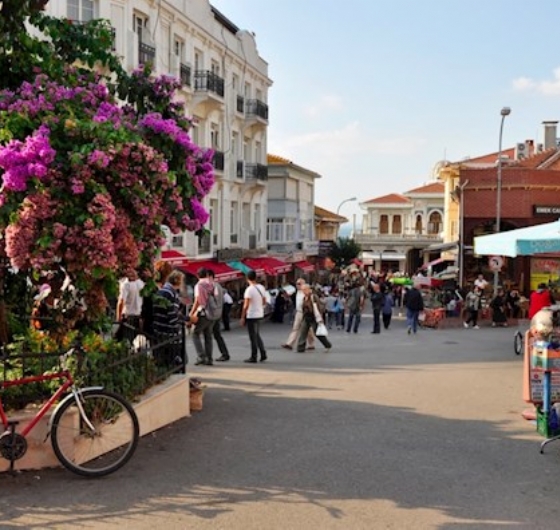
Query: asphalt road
{"x":385,"y":431}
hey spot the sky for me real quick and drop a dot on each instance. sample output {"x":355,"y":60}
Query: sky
{"x":371,"y":94}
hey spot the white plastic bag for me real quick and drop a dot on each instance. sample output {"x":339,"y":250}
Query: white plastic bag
{"x":321,"y":330}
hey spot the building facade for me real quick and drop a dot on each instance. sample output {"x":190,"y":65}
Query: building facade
{"x":225,"y":89}
{"x":397,"y":228}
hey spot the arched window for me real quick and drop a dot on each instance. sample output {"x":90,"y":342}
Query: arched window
{"x":434,"y":223}
{"x":397,"y":224}
{"x":384,"y":224}
{"x":418,"y":225}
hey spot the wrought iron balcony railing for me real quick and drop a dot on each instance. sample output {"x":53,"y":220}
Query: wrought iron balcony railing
{"x":146,"y":53}
{"x":209,"y":81}
{"x":218,"y":160}
{"x":185,"y":74}
{"x":255,"y":107}
{"x":256,"y":172}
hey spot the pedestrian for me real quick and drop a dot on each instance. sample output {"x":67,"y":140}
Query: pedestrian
{"x":513,"y":303}
{"x":480,"y":282}
{"x":340,"y":307}
{"x":387,"y":309}
{"x":226,"y":311}
{"x":330,"y":306}
{"x":203,"y":325}
{"x":311,"y":317}
{"x":168,"y":321}
{"x":414,"y":304}
{"x":252,"y":314}
{"x":279,"y":307}
{"x":129,"y":305}
{"x":298,"y":316}
{"x":355,"y":304}
{"x":498,"y":306}
{"x":473,"y":303}
{"x":219,"y":293}
{"x":539,"y":299}
{"x":162,"y":270}
{"x":377,"y":299}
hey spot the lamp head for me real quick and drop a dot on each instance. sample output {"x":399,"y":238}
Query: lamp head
{"x":506,"y":111}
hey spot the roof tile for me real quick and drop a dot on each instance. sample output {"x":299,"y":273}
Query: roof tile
{"x":392,"y":198}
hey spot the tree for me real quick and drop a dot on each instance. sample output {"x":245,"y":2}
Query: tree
{"x":88,"y":182}
{"x":344,"y":251}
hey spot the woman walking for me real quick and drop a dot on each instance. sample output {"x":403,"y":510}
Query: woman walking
{"x":472,"y":301}
{"x":311,"y":317}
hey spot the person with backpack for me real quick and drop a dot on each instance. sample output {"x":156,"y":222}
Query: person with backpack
{"x":252,"y":314}
{"x":215,"y":314}
{"x":202,"y":314}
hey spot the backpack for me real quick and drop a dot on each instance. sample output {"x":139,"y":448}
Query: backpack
{"x":215,"y":303}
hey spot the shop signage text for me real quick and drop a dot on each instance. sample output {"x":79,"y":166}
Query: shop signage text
{"x":229,"y":254}
{"x":539,"y":209}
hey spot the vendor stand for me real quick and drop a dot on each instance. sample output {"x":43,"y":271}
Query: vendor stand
{"x":541,"y":368}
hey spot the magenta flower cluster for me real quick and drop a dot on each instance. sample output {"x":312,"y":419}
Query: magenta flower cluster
{"x":22,"y":161}
{"x":88,"y":183}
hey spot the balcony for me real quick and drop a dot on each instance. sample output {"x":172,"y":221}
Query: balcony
{"x":369,"y":240}
{"x":218,"y":161}
{"x":240,"y":104}
{"x":253,"y":173}
{"x":207,"y":81}
{"x":146,"y":54}
{"x":256,"y":110}
{"x":185,"y":74}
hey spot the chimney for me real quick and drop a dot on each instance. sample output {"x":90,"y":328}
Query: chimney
{"x":550,"y":134}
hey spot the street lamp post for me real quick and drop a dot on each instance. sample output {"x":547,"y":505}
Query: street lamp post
{"x":340,"y":206}
{"x":506,"y":111}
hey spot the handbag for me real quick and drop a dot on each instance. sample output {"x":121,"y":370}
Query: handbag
{"x":321,"y":330}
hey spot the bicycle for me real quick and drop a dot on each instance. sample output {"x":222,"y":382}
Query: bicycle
{"x":93,"y":431}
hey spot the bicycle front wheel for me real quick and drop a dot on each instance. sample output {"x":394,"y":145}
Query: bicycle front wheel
{"x":97,"y":451}
{"x":518,"y":343}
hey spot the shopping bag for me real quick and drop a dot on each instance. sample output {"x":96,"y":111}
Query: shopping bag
{"x":321,"y":330}
{"x":422,"y":317}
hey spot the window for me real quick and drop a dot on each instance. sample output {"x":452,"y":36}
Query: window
{"x":258,"y":152}
{"x":234,"y":82}
{"x":235,"y":144}
{"x":177,"y":241}
{"x":397,"y":224}
{"x":198,"y":60}
{"x":179,"y":48}
{"x":418,"y":225}
{"x":247,"y":92}
{"x":290,"y":230}
{"x":215,"y":136}
{"x":195,"y":131}
{"x":257,"y":218}
{"x":140,"y":27}
{"x":234,"y":221}
{"x":275,"y":230}
{"x":434,"y":223}
{"x":215,"y":68}
{"x":384,"y":224}
{"x":80,"y":10}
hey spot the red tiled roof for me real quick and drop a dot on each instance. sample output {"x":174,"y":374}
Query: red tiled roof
{"x":222,"y":271}
{"x":392,"y":198}
{"x":536,"y":160}
{"x":489,"y":158}
{"x":275,"y":159}
{"x":432,"y":187}
{"x":326,"y":214}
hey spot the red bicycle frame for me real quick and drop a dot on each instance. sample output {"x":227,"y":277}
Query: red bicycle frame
{"x":65,"y":374}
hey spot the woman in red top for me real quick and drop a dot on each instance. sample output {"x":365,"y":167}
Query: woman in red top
{"x":539,"y":299}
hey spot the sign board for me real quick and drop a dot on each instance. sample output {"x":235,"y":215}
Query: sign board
{"x":229,"y":254}
{"x":496,"y":263}
{"x":544,"y":210}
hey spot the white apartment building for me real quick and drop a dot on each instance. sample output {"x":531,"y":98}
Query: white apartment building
{"x":397,"y":228}
{"x":225,"y":88}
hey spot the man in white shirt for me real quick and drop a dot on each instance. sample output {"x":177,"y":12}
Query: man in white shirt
{"x":129,"y":305}
{"x":298,"y":317}
{"x":252,"y":314}
{"x":480,"y":282}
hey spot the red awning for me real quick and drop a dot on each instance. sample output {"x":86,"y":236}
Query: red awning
{"x":222,"y":271}
{"x":304,"y":266}
{"x":357,"y":262}
{"x":269,"y":266}
{"x":173,"y":256}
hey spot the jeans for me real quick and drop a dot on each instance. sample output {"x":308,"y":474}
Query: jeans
{"x":219,"y":339}
{"x":204,"y":327}
{"x":253,"y":327}
{"x":376,"y":320}
{"x":412,"y":319}
{"x":355,"y":317}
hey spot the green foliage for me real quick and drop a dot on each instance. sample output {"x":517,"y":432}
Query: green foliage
{"x":344,"y":251}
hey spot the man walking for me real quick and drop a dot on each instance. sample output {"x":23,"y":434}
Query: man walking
{"x":129,"y":305}
{"x":298,"y":317}
{"x":252,"y":314}
{"x":414,"y":304}
{"x":355,"y":304}
{"x":377,"y":299}
{"x":204,"y":326}
{"x":216,"y":332}
{"x":228,"y":304}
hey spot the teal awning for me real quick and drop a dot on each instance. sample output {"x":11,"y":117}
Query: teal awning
{"x":239,"y":266}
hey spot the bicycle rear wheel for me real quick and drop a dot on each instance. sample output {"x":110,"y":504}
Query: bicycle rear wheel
{"x":98,"y":452}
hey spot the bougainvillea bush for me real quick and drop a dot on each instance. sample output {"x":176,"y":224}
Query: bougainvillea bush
{"x":88,"y":181}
